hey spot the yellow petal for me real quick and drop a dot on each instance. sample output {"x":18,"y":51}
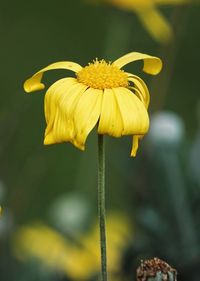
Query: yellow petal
{"x":68,"y":105}
{"x":34,"y":83}
{"x":135,"y":144}
{"x":64,"y":98}
{"x":52,"y":97}
{"x":142,"y":87}
{"x":138,"y":94}
{"x":52,"y":113}
{"x":110,"y":119}
{"x":152,"y":65}
{"x":50,"y":101}
{"x":155,"y":24}
{"x":86,"y":115}
{"x":133,"y":112}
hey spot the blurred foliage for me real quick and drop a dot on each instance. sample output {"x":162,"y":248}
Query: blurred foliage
{"x":159,"y":190}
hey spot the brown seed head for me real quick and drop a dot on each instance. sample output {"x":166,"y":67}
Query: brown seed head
{"x":150,"y":268}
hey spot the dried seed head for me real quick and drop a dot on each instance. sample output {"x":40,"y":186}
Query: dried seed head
{"x":156,"y":269}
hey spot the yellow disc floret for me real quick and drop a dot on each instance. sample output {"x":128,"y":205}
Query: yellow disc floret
{"x":102,"y":75}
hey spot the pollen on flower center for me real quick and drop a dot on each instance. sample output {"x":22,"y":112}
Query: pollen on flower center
{"x":102,"y":75}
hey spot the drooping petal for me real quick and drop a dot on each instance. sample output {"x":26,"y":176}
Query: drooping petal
{"x":135,"y":144}
{"x":152,"y":65}
{"x":52,"y":97}
{"x":62,"y":101}
{"x":133,"y":112}
{"x":110,"y":119}
{"x":155,"y":24}
{"x":141,"y":86}
{"x":68,"y":105}
{"x":50,"y":104}
{"x":137,"y":93}
{"x":143,"y":94}
{"x":53,"y":114}
{"x":86,"y":115}
{"x":34,"y":83}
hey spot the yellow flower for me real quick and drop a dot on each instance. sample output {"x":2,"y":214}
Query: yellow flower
{"x":101,"y":94}
{"x":79,"y":261}
{"x":149,"y":15}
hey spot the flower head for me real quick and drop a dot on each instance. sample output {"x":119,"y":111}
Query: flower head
{"x":101,"y":94}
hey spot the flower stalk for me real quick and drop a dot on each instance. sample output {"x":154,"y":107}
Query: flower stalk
{"x":101,"y":205}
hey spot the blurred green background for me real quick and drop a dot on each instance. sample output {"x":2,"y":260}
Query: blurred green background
{"x":158,"y":191}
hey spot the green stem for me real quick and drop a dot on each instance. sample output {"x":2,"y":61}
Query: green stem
{"x":101,"y":206}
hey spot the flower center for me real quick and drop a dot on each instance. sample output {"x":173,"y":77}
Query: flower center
{"x":102,"y":75}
